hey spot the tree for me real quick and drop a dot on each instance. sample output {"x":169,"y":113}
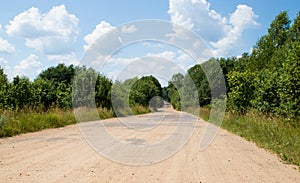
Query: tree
{"x":83,"y":89}
{"x":3,"y":88}
{"x":279,"y":30}
{"x":173,"y":90}
{"x":44,"y":93}
{"x":103,"y":92}
{"x":241,"y":86}
{"x":59,"y":74}
{"x":143,"y":90}
{"x":289,"y":82}
{"x":200,"y":80}
{"x":278,"y":34}
{"x":295,"y":30}
{"x":20,"y":93}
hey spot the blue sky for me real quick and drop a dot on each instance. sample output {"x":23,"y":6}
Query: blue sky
{"x":37,"y":34}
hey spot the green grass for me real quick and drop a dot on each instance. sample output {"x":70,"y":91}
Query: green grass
{"x":14,"y":123}
{"x":277,"y":135}
{"x":136,"y":110}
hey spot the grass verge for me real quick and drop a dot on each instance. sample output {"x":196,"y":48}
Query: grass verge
{"x":277,"y":135}
{"x":14,"y":123}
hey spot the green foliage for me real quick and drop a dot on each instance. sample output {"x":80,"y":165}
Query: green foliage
{"x":200,"y":80}
{"x":202,"y":83}
{"x":143,"y":90}
{"x":289,"y":82}
{"x":20,"y":92}
{"x":13,"y":123}
{"x":269,"y":78}
{"x":84,"y":88}
{"x":103,"y":92}
{"x":277,"y":36}
{"x":265,"y":93}
{"x":294,"y":34}
{"x":3,"y":88}
{"x":173,"y":90}
{"x":120,"y":96}
{"x":27,"y":106}
{"x":59,"y":74}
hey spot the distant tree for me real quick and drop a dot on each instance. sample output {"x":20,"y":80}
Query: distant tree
{"x":143,"y":90}
{"x":174,"y":86}
{"x":200,"y":80}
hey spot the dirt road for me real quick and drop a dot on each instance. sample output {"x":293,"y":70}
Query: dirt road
{"x":63,"y":155}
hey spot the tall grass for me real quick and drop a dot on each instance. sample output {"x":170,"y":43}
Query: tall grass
{"x":277,"y":135}
{"x":29,"y":120}
{"x":14,"y":123}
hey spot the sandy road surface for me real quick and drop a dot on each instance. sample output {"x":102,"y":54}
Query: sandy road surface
{"x":62,"y":155}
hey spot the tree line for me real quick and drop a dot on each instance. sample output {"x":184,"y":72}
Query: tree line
{"x":54,"y":86}
{"x":266,"y":80}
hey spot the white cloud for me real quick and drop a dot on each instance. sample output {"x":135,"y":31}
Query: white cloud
{"x":100,"y":30}
{"x":152,"y":44}
{"x":196,"y":15}
{"x":170,"y":55}
{"x":5,"y":46}
{"x":29,"y":66}
{"x":66,"y":59}
{"x":158,"y":66}
{"x":121,"y":61}
{"x":4,"y":64}
{"x":128,"y":29}
{"x":180,"y":58}
{"x":242,"y":18}
{"x":54,"y":32}
{"x":3,"y":61}
{"x":223,"y":33}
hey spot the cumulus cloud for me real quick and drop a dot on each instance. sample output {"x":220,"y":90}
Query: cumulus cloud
{"x":100,"y":30}
{"x":29,"y":66}
{"x":242,"y":18}
{"x":54,"y":32}
{"x":196,"y":15}
{"x":221,"y":32}
{"x":5,"y":46}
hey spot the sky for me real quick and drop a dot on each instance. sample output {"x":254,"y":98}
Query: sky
{"x":35,"y":34}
